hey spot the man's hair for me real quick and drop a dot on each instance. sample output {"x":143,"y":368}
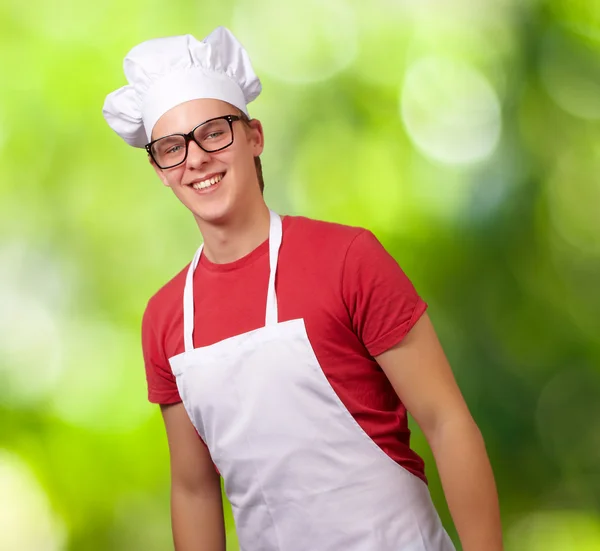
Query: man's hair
{"x":257,"y":163}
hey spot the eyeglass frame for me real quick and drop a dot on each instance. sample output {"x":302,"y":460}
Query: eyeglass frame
{"x":190,"y":137}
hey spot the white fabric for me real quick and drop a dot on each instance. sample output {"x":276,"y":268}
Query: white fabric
{"x":299,"y":471}
{"x":165,"y":72}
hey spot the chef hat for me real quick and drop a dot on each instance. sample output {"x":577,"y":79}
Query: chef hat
{"x":165,"y":72}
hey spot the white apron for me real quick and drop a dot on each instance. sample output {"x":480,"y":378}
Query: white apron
{"x":299,"y":472}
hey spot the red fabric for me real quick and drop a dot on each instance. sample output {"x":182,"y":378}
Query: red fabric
{"x":354,"y":298}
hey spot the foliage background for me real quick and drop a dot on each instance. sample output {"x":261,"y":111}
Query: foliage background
{"x":465,"y":134}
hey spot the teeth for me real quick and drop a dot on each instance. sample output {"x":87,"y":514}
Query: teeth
{"x":207,"y":183}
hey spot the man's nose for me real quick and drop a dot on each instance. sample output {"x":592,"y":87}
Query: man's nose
{"x":196,"y":155}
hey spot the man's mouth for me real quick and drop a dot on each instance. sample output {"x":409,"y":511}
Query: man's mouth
{"x":207,"y":182}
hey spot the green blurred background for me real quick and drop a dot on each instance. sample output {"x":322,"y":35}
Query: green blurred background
{"x":465,"y":134}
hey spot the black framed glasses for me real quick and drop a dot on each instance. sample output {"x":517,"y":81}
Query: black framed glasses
{"x":211,"y":136}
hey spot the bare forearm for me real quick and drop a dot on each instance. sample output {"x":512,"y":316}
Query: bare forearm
{"x":198,"y":523}
{"x":468,"y":484}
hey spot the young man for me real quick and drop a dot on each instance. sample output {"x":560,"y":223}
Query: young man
{"x":294,"y":348}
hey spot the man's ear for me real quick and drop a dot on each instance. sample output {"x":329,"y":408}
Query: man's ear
{"x":256,"y":136}
{"x":159,"y":172}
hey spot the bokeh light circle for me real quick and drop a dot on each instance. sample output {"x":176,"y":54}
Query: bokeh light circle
{"x":27,"y":522}
{"x":450,"y":110}
{"x":103,"y":385}
{"x":30,"y":322}
{"x":570,"y":72}
{"x":347,"y":174}
{"x":297,"y":42}
{"x":573,"y":196}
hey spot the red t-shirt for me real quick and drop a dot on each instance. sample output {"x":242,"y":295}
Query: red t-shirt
{"x":355,"y":300}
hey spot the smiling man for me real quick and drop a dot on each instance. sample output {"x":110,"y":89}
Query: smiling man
{"x":289,"y":352}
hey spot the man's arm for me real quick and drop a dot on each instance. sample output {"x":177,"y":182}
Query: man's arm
{"x":196,"y":503}
{"x":421,"y":376}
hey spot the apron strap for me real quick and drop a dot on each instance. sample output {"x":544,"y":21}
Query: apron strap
{"x":188,"y":303}
{"x":275,"y":235}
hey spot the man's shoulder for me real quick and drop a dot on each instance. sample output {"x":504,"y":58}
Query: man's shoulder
{"x":320,"y":232}
{"x":331,"y":244}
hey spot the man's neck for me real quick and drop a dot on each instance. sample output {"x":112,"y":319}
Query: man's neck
{"x":229,"y":242}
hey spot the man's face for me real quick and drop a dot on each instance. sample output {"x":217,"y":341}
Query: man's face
{"x":238,"y":185}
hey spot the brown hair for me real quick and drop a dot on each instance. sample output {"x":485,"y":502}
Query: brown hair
{"x":257,"y":162}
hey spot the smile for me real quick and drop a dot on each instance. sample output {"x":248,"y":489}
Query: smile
{"x":208,"y":182}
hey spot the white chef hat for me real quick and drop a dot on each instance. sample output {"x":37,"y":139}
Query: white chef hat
{"x":165,"y":72}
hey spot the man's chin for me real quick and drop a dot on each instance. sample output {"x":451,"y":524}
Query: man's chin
{"x":214,"y":215}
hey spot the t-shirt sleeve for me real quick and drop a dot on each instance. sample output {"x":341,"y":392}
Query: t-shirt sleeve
{"x":382,"y":301}
{"x":162,"y":388}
